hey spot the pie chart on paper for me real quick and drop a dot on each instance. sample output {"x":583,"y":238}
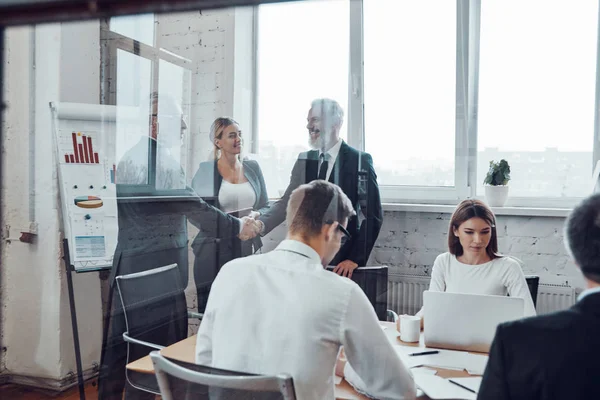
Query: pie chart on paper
{"x":88,"y":201}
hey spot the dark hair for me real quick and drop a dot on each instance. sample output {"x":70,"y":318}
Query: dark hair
{"x":312,"y":204}
{"x":582,"y":234}
{"x":466,"y":210}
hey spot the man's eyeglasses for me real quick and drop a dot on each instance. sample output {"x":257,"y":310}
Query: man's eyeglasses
{"x":346,"y":235}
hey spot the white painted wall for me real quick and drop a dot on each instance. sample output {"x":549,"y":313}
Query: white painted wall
{"x":80,"y":83}
{"x":31,"y":292}
{"x":36,"y":324}
{"x":410,"y":241}
{"x":80,"y":62}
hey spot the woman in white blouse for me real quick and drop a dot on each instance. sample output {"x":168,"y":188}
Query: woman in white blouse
{"x":473,"y":264}
{"x":234,"y":186}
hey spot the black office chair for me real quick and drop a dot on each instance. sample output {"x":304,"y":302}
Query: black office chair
{"x":374,"y":282}
{"x":179,"y":380}
{"x":156,"y":316}
{"x":533,"y":281}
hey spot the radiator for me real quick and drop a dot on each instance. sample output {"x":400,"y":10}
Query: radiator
{"x":405,"y":295}
{"x":554,"y":298}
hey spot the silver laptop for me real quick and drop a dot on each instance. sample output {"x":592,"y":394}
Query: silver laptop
{"x":466,"y":321}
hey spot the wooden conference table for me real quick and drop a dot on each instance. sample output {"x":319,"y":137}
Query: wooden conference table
{"x":185,"y":350}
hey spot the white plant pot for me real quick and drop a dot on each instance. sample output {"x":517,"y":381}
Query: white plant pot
{"x":496,"y":195}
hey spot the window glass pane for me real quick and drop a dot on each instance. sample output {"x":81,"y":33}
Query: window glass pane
{"x":137,"y":27}
{"x":132,"y":93}
{"x":171,"y":127}
{"x":536,"y":94}
{"x":410,"y":75}
{"x":302,"y":55}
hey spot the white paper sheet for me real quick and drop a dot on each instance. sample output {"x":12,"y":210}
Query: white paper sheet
{"x":440,"y":388}
{"x":475,"y":363}
{"x":423,"y":370}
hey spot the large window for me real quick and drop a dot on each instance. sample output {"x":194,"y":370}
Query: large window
{"x":437,"y":89}
{"x":410,"y":90}
{"x":302,"y":55}
{"x":536,"y":94}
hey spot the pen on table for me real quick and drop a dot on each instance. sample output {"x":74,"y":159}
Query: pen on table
{"x":424,"y":353}
{"x":464,"y":387}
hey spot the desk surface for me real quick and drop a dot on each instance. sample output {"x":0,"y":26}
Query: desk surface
{"x":185,"y":350}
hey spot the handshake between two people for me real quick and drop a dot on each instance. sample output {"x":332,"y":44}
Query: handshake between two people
{"x":251,"y":227}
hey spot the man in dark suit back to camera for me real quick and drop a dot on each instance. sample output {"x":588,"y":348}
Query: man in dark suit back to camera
{"x":333,"y":160}
{"x":555,"y":356}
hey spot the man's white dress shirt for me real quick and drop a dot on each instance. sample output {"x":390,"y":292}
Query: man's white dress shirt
{"x":281,"y":312}
{"x":332,"y":154}
{"x":587,"y":292}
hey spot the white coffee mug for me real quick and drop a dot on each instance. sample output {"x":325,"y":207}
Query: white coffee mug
{"x":410,"y":328}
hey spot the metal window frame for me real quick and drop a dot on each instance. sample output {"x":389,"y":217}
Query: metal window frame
{"x":112,"y":42}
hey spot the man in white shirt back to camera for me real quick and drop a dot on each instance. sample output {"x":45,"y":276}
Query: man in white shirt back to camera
{"x":282,"y":312}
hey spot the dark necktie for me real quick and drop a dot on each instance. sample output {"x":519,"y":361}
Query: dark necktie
{"x":324,"y":164}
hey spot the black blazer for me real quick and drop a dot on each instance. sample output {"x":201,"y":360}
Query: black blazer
{"x":554,"y":356}
{"x":207,"y":183}
{"x":353,"y":172}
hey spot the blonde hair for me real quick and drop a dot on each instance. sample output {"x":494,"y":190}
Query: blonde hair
{"x":216,"y":131}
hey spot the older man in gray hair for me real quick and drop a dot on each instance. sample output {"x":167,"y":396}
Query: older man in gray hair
{"x":295,"y":315}
{"x":331,"y":159}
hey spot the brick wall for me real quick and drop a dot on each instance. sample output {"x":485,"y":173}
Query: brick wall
{"x":410,"y":241}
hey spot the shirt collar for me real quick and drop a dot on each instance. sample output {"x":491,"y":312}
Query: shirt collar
{"x":300,"y":248}
{"x":334,"y":151}
{"x":587,"y":292}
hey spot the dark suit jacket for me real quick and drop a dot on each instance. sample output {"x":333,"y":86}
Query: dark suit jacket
{"x":353,"y":171}
{"x":555,"y":356}
{"x":207,"y":183}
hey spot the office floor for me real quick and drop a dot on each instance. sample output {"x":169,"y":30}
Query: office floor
{"x":15,"y":392}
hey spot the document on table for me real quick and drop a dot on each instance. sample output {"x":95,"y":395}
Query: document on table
{"x":423,"y":370}
{"x":440,"y":388}
{"x":472,"y":382}
{"x":475,"y":363}
{"x":449,"y":359}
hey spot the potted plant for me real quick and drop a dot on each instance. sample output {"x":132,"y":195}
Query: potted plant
{"x":496,"y":183}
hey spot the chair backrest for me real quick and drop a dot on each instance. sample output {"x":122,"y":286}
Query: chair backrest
{"x":182,"y":380}
{"x":154,"y":305}
{"x":373,"y":280}
{"x":533,"y":282}
{"x":155,"y":311}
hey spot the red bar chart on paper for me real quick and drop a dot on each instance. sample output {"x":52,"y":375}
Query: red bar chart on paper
{"x":80,"y":148}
